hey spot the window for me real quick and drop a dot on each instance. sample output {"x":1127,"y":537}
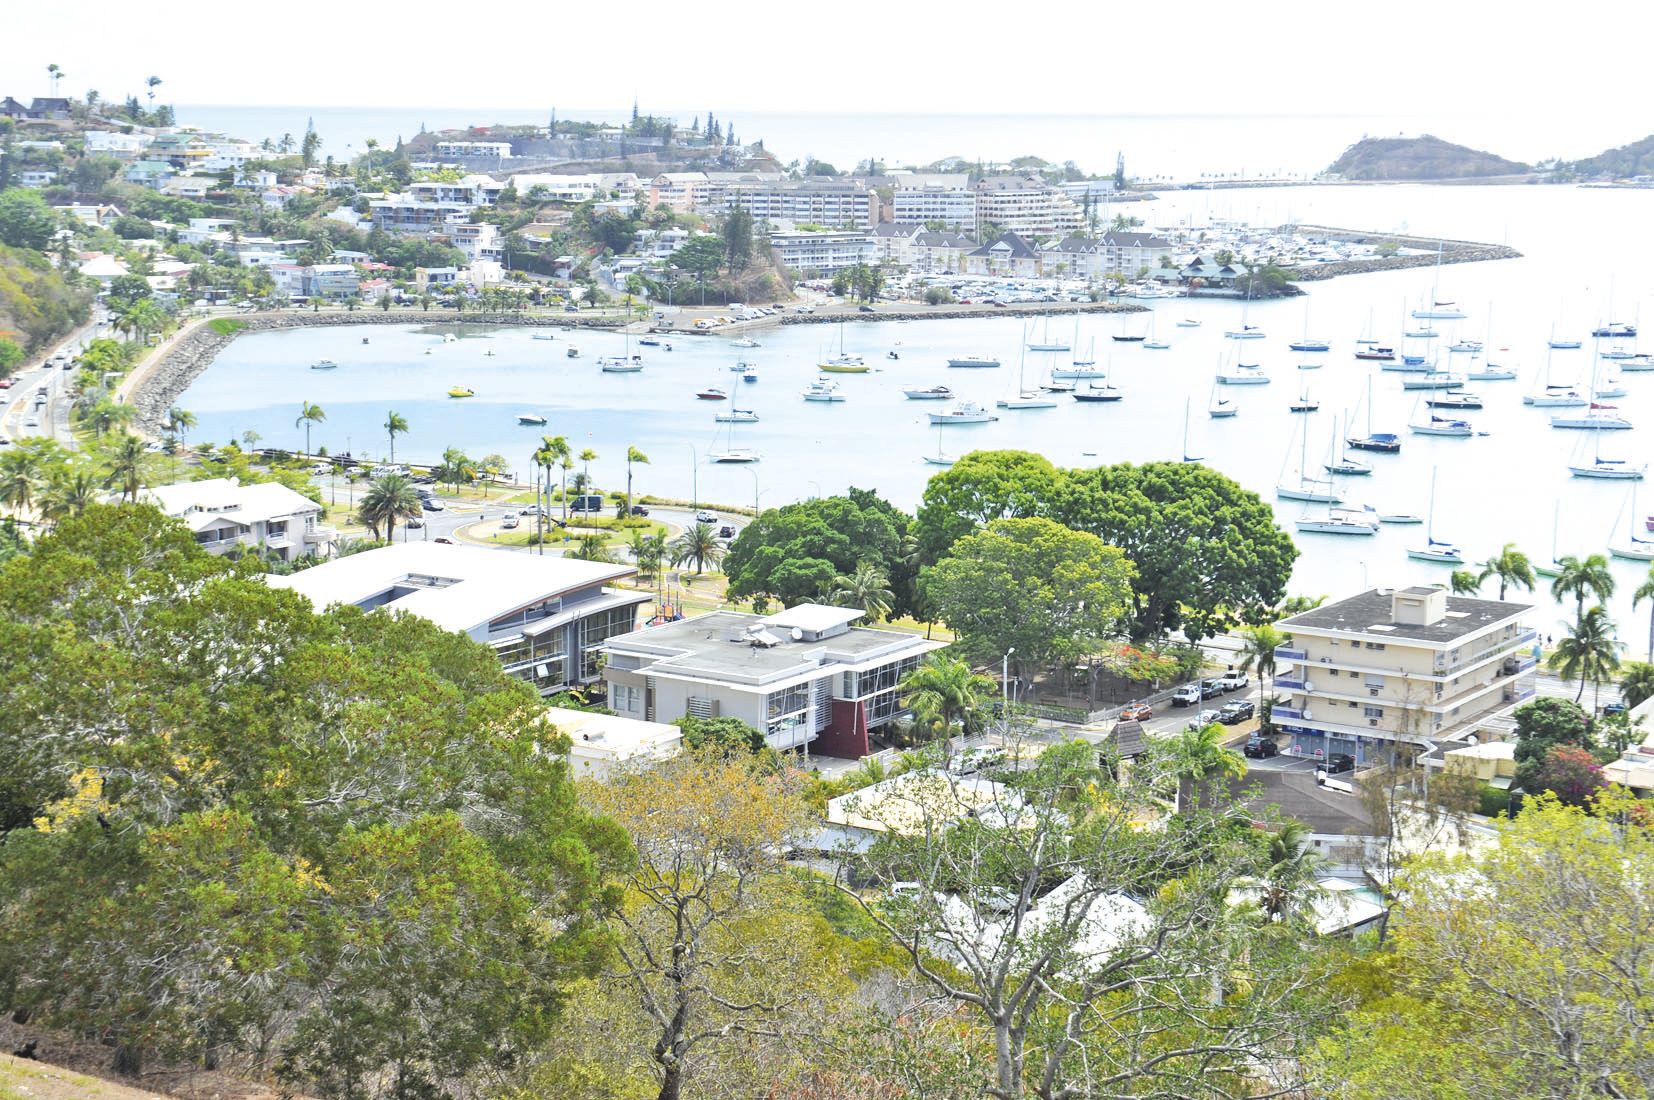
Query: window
{"x":787,"y":701}
{"x":1374,"y":712}
{"x":1375,"y":645}
{"x":624,"y":697}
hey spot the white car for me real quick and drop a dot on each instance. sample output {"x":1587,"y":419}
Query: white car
{"x":1187,"y":696}
{"x":706,"y":516}
{"x":1203,"y":719}
{"x":31,"y":422}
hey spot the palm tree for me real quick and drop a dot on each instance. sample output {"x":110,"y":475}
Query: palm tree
{"x":1200,"y":753}
{"x":105,"y":416}
{"x":54,"y":73}
{"x":395,"y":424}
{"x":637,"y":456}
{"x":1291,"y":873}
{"x":19,"y":479}
{"x":1465,"y":582}
{"x":126,"y":462}
{"x":152,"y":83}
{"x":592,"y":546}
{"x":556,"y":448}
{"x":1636,"y":683}
{"x":648,"y":552}
{"x":1512,"y":567}
{"x":492,"y":467}
{"x":1258,"y":647}
{"x":1588,"y":651}
{"x":1645,"y":591}
{"x":180,"y":420}
{"x":943,"y":690}
{"x":699,"y":544}
{"x":69,"y":491}
{"x":314,"y":414}
{"x":1580,"y":577}
{"x":587,"y":457}
{"x":867,"y":588}
{"x":390,"y":499}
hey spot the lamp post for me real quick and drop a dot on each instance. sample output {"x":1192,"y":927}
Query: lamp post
{"x":694,"y":477}
{"x":755,"y":493}
{"x":1005,"y":692}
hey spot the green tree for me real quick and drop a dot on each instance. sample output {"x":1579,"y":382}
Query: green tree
{"x":1465,"y":582}
{"x":1589,"y":651}
{"x":648,"y":552}
{"x":1582,"y":577}
{"x":1258,"y":646}
{"x":68,"y":491}
{"x":738,"y":238}
{"x":179,"y":421}
{"x":789,"y":553}
{"x":1512,"y":568}
{"x":492,"y":467}
{"x":25,"y":219}
{"x":943,"y":690}
{"x":1645,"y":591}
{"x":10,"y":357}
{"x":389,"y":500}
{"x":126,"y":461}
{"x":1200,"y":755}
{"x":309,"y":414}
{"x":457,"y":469}
{"x":592,"y":546}
{"x":633,"y":455}
{"x":700,"y":256}
{"x":698,"y":544}
{"x":1570,"y":773}
{"x":722,"y":736}
{"x":1051,"y":593}
{"x":1636,"y":683}
{"x":867,"y":588}
{"x":395,"y":424}
{"x":1289,"y":881}
{"x":980,"y":487}
{"x":20,"y":474}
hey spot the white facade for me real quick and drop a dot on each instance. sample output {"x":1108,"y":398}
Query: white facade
{"x":228,"y":517}
{"x":478,"y":240}
{"x":932,"y":198}
{"x":602,"y":744}
{"x":829,"y":251}
{"x":840,"y":204}
{"x":116,"y":144}
{"x":559,"y":188}
{"x":501,"y":149}
{"x":1025,"y":205}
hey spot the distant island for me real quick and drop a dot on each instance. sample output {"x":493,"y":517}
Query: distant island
{"x":1626,"y":162}
{"x":1421,"y":158}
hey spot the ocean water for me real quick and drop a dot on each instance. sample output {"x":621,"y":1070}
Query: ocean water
{"x":1581,"y":264}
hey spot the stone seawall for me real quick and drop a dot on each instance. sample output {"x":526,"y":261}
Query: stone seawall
{"x":944,"y":313}
{"x":1452,"y":252}
{"x":156,"y":386}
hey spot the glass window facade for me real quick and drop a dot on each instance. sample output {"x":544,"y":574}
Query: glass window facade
{"x":597,"y":629}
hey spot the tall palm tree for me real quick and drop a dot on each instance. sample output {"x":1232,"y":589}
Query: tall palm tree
{"x":126,"y":462}
{"x":698,"y":544}
{"x":633,"y":455}
{"x":105,"y":416}
{"x":314,"y":414}
{"x":1291,"y":872}
{"x":1636,"y":683}
{"x":68,"y":492}
{"x":867,"y":588}
{"x":395,"y":424}
{"x":1512,"y":567}
{"x":556,"y":448}
{"x":1465,"y":582}
{"x":587,"y":457}
{"x":19,"y":479}
{"x":1588,"y":651}
{"x":943,"y":690}
{"x":648,"y":552}
{"x":1580,"y":577}
{"x":180,"y":420}
{"x":1645,"y":591}
{"x":1200,"y":753}
{"x":389,"y":499}
{"x":1258,"y":646}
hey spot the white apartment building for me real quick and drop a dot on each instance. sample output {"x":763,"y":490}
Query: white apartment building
{"x":473,"y":190}
{"x":1406,"y":667}
{"x":1130,"y":253}
{"x":840,"y":204}
{"x":1026,"y":205}
{"x":501,"y":149}
{"x":479,"y":241}
{"x":546,"y":618}
{"x":116,"y":144}
{"x":935,"y":251}
{"x":932,"y":197}
{"x":228,"y":517}
{"x":559,"y":188}
{"x":683,"y":192}
{"x":804,"y":675}
{"x":830,"y":250}
{"x":894,"y":242}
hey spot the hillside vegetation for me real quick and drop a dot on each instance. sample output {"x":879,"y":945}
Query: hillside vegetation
{"x":1420,"y":158}
{"x":37,"y":304}
{"x":1636,"y":159}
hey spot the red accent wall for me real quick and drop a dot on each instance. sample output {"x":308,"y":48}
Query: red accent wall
{"x":846,"y":736}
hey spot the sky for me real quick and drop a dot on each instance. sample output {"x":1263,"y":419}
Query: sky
{"x":1547,"y":63}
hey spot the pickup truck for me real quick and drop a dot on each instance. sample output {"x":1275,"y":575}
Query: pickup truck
{"x":1233,"y":680}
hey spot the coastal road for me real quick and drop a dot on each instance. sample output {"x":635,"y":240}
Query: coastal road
{"x":22,"y":401}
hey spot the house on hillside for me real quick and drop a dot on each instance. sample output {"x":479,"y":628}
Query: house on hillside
{"x":228,"y":517}
{"x":1009,"y":255}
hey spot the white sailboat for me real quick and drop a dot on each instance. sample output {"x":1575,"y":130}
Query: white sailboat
{"x":1607,"y":469}
{"x":1340,"y":521}
{"x":1433,"y":549}
{"x":1343,"y":465}
{"x":1187,"y":457}
{"x":619,"y":364}
{"x":1046,"y":343}
{"x":1634,"y":548}
{"x":1439,"y":310}
{"x":1220,"y":408}
{"x":939,"y":459}
{"x":1302,"y":486}
{"x":1026,"y":399}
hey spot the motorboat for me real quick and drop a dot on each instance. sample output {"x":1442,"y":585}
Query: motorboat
{"x":1027,"y":399}
{"x":1340,"y":521}
{"x":1443,"y":426}
{"x":1454,"y":400}
{"x":929,"y":393}
{"x":737,"y":416}
{"x":462,"y":391}
{"x":1310,"y":345}
{"x":531,"y":418}
{"x":489,"y":353}
{"x":745,"y":342}
{"x":965,"y":412}
{"x":573,"y":352}
{"x":1421,"y":334}
{"x":749,"y":373}
{"x":1188,"y":322}
{"x":1638,"y":363}
{"x":543,"y":336}
{"x":648,"y":342}
{"x":1399,"y":518}
{"x":736,"y":456}
{"x":1129,"y":338}
{"x":324,"y":364}
{"x":711,"y":393}
{"x":1564,"y":345}
{"x":1377,"y":354}
{"x":823,"y":390}
{"x":973,"y":361}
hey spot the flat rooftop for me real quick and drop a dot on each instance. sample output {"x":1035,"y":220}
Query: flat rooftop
{"x":456,"y":587}
{"x":1360,"y":614}
{"x":720,"y":645}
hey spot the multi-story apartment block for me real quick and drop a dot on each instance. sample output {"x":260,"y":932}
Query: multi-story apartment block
{"x":1401,"y":669}
{"x":804,"y":675}
{"x":894,"y":242}
{"x":1009,"y":255}
{"x":840,"y":204}
{"x":683,"y":192}
{"x":546,"y":619}
{"x":826,"y":251}
{"x":228,"y":517}
{"x":473,"y":190}
{"x":945,"y":198}
{"x":1130,"y":253}
{"x":479,"y":241}
{"x":941,"y":251}
{"x":1026,"y":205}
{"x":501,"y":149}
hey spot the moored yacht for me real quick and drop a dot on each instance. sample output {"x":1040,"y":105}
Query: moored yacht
{"x":965,"y":412}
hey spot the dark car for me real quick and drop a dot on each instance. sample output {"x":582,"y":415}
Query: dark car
{"x":1210,"y":689}
{"x":866,"y":309}
{"x":639,"y":510}
{"x":727,"y":531}
{"x":1340,"y":762}
{"x":1260,"y":748}
{"x":1236,"y":712}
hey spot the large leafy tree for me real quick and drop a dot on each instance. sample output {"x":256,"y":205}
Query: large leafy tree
{"x":1205,"y":548}
{"x":1032,"y":584}
{"x":979,"y":488}
{"x":1543,"y":724}
{"x":329,"y":846}
{"x":791,"y":553}
{"x":26,"y":221}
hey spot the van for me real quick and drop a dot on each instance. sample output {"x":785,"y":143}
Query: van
{"x":589,"y":502}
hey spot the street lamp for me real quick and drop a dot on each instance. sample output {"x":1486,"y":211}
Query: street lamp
{"x":755,"y":493}
{"x":694,"y":477}
{"x":1005,"y":692}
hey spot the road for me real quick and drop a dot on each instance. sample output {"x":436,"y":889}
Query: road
{"x":23,"y":403}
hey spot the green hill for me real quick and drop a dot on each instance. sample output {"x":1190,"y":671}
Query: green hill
{"x":1636,"y":159}
{"x":1420,"y":158}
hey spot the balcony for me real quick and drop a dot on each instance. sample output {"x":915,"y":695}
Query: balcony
{"x":321,"y":533}
{"x":1282,"y":653}
{"x":1284,"y":683}
{"x":1518,"y":694}
{"x":1277,"y":713}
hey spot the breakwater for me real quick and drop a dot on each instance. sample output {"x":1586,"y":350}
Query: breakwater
{"x":1451,"y":252}
{"x":957,"y":313}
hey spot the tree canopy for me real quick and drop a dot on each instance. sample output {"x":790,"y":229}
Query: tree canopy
{"x":790,"y":554}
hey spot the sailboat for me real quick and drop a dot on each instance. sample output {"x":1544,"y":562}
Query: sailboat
{"x":1090,"y":350}
{"x":939,"y":459}
{"x":1219,"y":408}
{"x":1434,"y":550}
{"x":1306,"y":342}
{"x":1046,"y":343}
{"x":1365,"y":340}
{"x":1635,"y":548}
{"x":1187,"y":457}
{"x":1246,"y":331}
{"x":1304,"y":402}
{"x":1343,"y":465}
{"x":1153,"y":343}
{"x":1384,"y":442}
{"x":1439,"y":310}
{"x":736,"y":416}
{"x":1095,"y":393}
{"x":1026,"y":398}
{"x":615,"y":364}
{"x":843,"y":363}
{"x":1609,"y":469}
{"x":731,"y":454}
{"x":1304,"y":487}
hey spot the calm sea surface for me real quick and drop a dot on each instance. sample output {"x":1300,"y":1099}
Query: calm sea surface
{"x":1584,"y":262}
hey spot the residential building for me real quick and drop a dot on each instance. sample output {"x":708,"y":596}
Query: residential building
{"x":1026,"y":205}
{"x":1400,"y":670}
{"x":910,"y":804}
{"x":1009,"y":255}
{"x":94,"y":214}
{"x":546,"y":618}
{"x":188,"y":187}
{"x":1341,"y":828}
{"x":893,"y":242}
{"x":602,"y":744}
{"x":472,"y":190}
{"x":934,"y":197}
{"x":11,"y":108}
{"x":804,"y":675}
{"x":149,"y":173}
{"x":1080,"y":190}
{"x":935,"y":251}
{"x":837,"y":203}
{"x":201,"y":230}
{"x":116,"y":144}
{"x":829,"y":250}
{"x":52,"y":107}
{"x":1130,"y":253}
{"x":1073,"y":258}
{"x":330,"y":281}
{"x":683,"y":192}
{"x":228,"y":517}
{"x":658,"y":244}
{"x":500,"y":149}
{"x":559,"y":188}
{"x":37,"y":177}
{"x":404,"y":214}
{"x":478,"y":240}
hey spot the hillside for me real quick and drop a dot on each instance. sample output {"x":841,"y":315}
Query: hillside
{"x":1636,"y":159}
{"x":25,"y":1080}
{"x":1420,"y":158}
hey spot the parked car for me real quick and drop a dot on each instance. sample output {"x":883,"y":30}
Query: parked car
{"x":1233,"y":713}
{"x":1260,"y":748}
{"x":1340,"y":762}
{"x":706,"y":516}
{"x":1203,"y":719}
{"x":866,"y":309}
{"x":1136,"y":712}
{"x":1233,"y":680}
{"x":509,"y":523}
{"x":1189,"y":695}
{"x":978,"y":759}
{"x":444,"y":540}
{"x":639,"y":510}
{"x":1210,"y":689}
{"x":727,"y":531}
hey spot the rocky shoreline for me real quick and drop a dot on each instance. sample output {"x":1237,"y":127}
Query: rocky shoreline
{"x":943,"y":313}
{"x":1452,"y":252}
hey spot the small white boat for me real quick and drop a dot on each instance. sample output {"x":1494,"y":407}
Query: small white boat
{"x":1599,"y":418}
{"x":1639,"y":363}
{"x":573,"y":352}
{"x":745,"y":342}
{"x":543,"y":336}
{"x":1610,"y":469}
{"x":929,"y":393}
{"x":648,"y":342}
{"x":711,"y":393}
{"x":1421,"y":334}
{"x":749,"y":373}
{"x":530,"y":418}
{"x":1432,"y":550}
{"x":1399,"y":518}
{"x":737,"y":416}
{"x":1309,"y":366}
{"x":1027,"y":399}
{"x":1246,"y":332}
{"x":1156,"y":345}
{"x":448,"y":338}
{"x":736,"y":456}
{"x":1077,"y":374}
{"x":1244,"y":374}
{"x":1433,"y":380}
{"x":615,"y":364}
{"x":1340,"y":521}
{"x":324,"y":364}
{"x":1444,"y":426}
{"x":1048,"y":347}
{"x":823,"y":390}
{"x":1490,"y":373}
{"x":966,"y":362}
{"x":1465,"y":347}
{"x":1565,"y":345}
{"x":1188,"y":322}
{"x":966,"y":412}
{"x":1555,"y":399}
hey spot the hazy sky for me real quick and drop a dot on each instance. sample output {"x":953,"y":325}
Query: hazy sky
{"x":1547,"y":62}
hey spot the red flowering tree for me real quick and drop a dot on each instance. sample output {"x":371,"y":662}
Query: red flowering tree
{"x":1571,"y":773}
